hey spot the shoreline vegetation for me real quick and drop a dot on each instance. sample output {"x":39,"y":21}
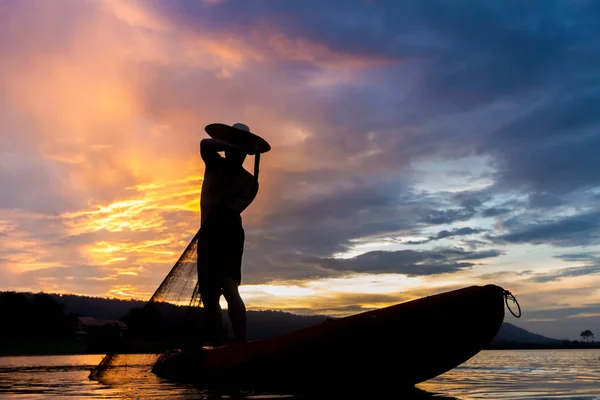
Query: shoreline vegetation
{"x":568,"y":345}
{"x":50,"y":324}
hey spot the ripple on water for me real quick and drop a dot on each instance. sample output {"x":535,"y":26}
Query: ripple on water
{"x":522,"y":374}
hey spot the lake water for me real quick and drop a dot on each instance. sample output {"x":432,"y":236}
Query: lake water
{"x":521,"y":374}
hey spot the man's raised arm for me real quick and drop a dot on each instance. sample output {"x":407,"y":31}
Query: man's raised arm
{"x":209,"y":149}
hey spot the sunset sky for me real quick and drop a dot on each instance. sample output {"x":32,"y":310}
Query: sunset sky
{"x":417,"y":147}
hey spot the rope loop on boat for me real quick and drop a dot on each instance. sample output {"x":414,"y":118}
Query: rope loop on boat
{"x":508,"y":295}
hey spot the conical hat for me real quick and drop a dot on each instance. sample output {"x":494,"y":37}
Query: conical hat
{"x":240,"y":135}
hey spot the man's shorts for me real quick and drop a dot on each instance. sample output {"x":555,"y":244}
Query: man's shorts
{"x":220,"y":250}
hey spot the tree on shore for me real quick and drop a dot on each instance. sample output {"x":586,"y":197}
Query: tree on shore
{"x":586,"y":335}
{"x":35,"y":318}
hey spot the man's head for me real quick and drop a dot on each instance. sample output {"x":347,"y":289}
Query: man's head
{"x":235,"y":157}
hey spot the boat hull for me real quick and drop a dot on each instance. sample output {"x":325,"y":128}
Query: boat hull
{"x":402,"y":345}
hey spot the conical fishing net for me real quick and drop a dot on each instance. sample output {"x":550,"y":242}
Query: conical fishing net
{"x":172,"y":318}
{"x":180,"y":286}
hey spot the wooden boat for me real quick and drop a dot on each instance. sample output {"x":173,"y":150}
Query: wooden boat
{"x":400,"y":345}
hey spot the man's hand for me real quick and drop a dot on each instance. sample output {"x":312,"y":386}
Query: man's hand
{"x":210,"y":148}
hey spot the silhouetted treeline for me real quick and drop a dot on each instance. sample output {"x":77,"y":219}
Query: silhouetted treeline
{"x":563,"y":344}
{"x":49,"y":323}
{"x":261,"y":323}
{"x":35,"y":318}
{"x":97,"y":307}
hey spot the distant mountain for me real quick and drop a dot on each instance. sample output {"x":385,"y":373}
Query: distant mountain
{"x":510,"y":333}
{"x":97,"y":307}
{"x":260,"y":323}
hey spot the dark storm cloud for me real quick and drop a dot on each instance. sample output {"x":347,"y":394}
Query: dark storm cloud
{"x":471,"y":58}
{"x":472,"y":199}
{"x":385,"y":27}
{"x":583,"y":256}
{"x":447,"y":234}
{"x":324,"y":223}
{"x":479,"y":255}
{"x":563,"y":322}
{"x":545,"y":200}
{"x":439,"y":217}
{"x":495,"y":211}
{"x":409,"y":262}
{"x":566,"y":273}
{"x":590,"y":266}
{"x":552,"y":148}
{"x":569,"y":313}
{"x":268,"y":262}
{"x":575,"y":230}
{"x":471,"y":53}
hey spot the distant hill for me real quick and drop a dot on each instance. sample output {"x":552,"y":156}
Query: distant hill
{"x":97,"y":307}
{"x":510,"y":333}
{"x":260,"y":323}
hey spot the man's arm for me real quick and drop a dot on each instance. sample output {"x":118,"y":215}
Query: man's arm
{"x":209,"y":149}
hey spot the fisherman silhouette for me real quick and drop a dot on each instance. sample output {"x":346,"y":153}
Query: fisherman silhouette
{"x":227,"y":190}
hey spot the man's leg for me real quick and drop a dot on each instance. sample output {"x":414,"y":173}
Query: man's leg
{"x":236,"y":308}
{"x":213,"y":320}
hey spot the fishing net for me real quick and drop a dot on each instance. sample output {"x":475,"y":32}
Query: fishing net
{"x":181,"y":283}
{"x":172,"y":318}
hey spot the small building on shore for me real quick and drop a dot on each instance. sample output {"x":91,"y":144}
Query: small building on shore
{"x":90,"y":328}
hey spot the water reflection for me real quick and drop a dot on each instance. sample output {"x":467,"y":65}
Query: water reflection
{"x":494,"y":374}
{"x":523,"y":374}
{"x":66,"y":376}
